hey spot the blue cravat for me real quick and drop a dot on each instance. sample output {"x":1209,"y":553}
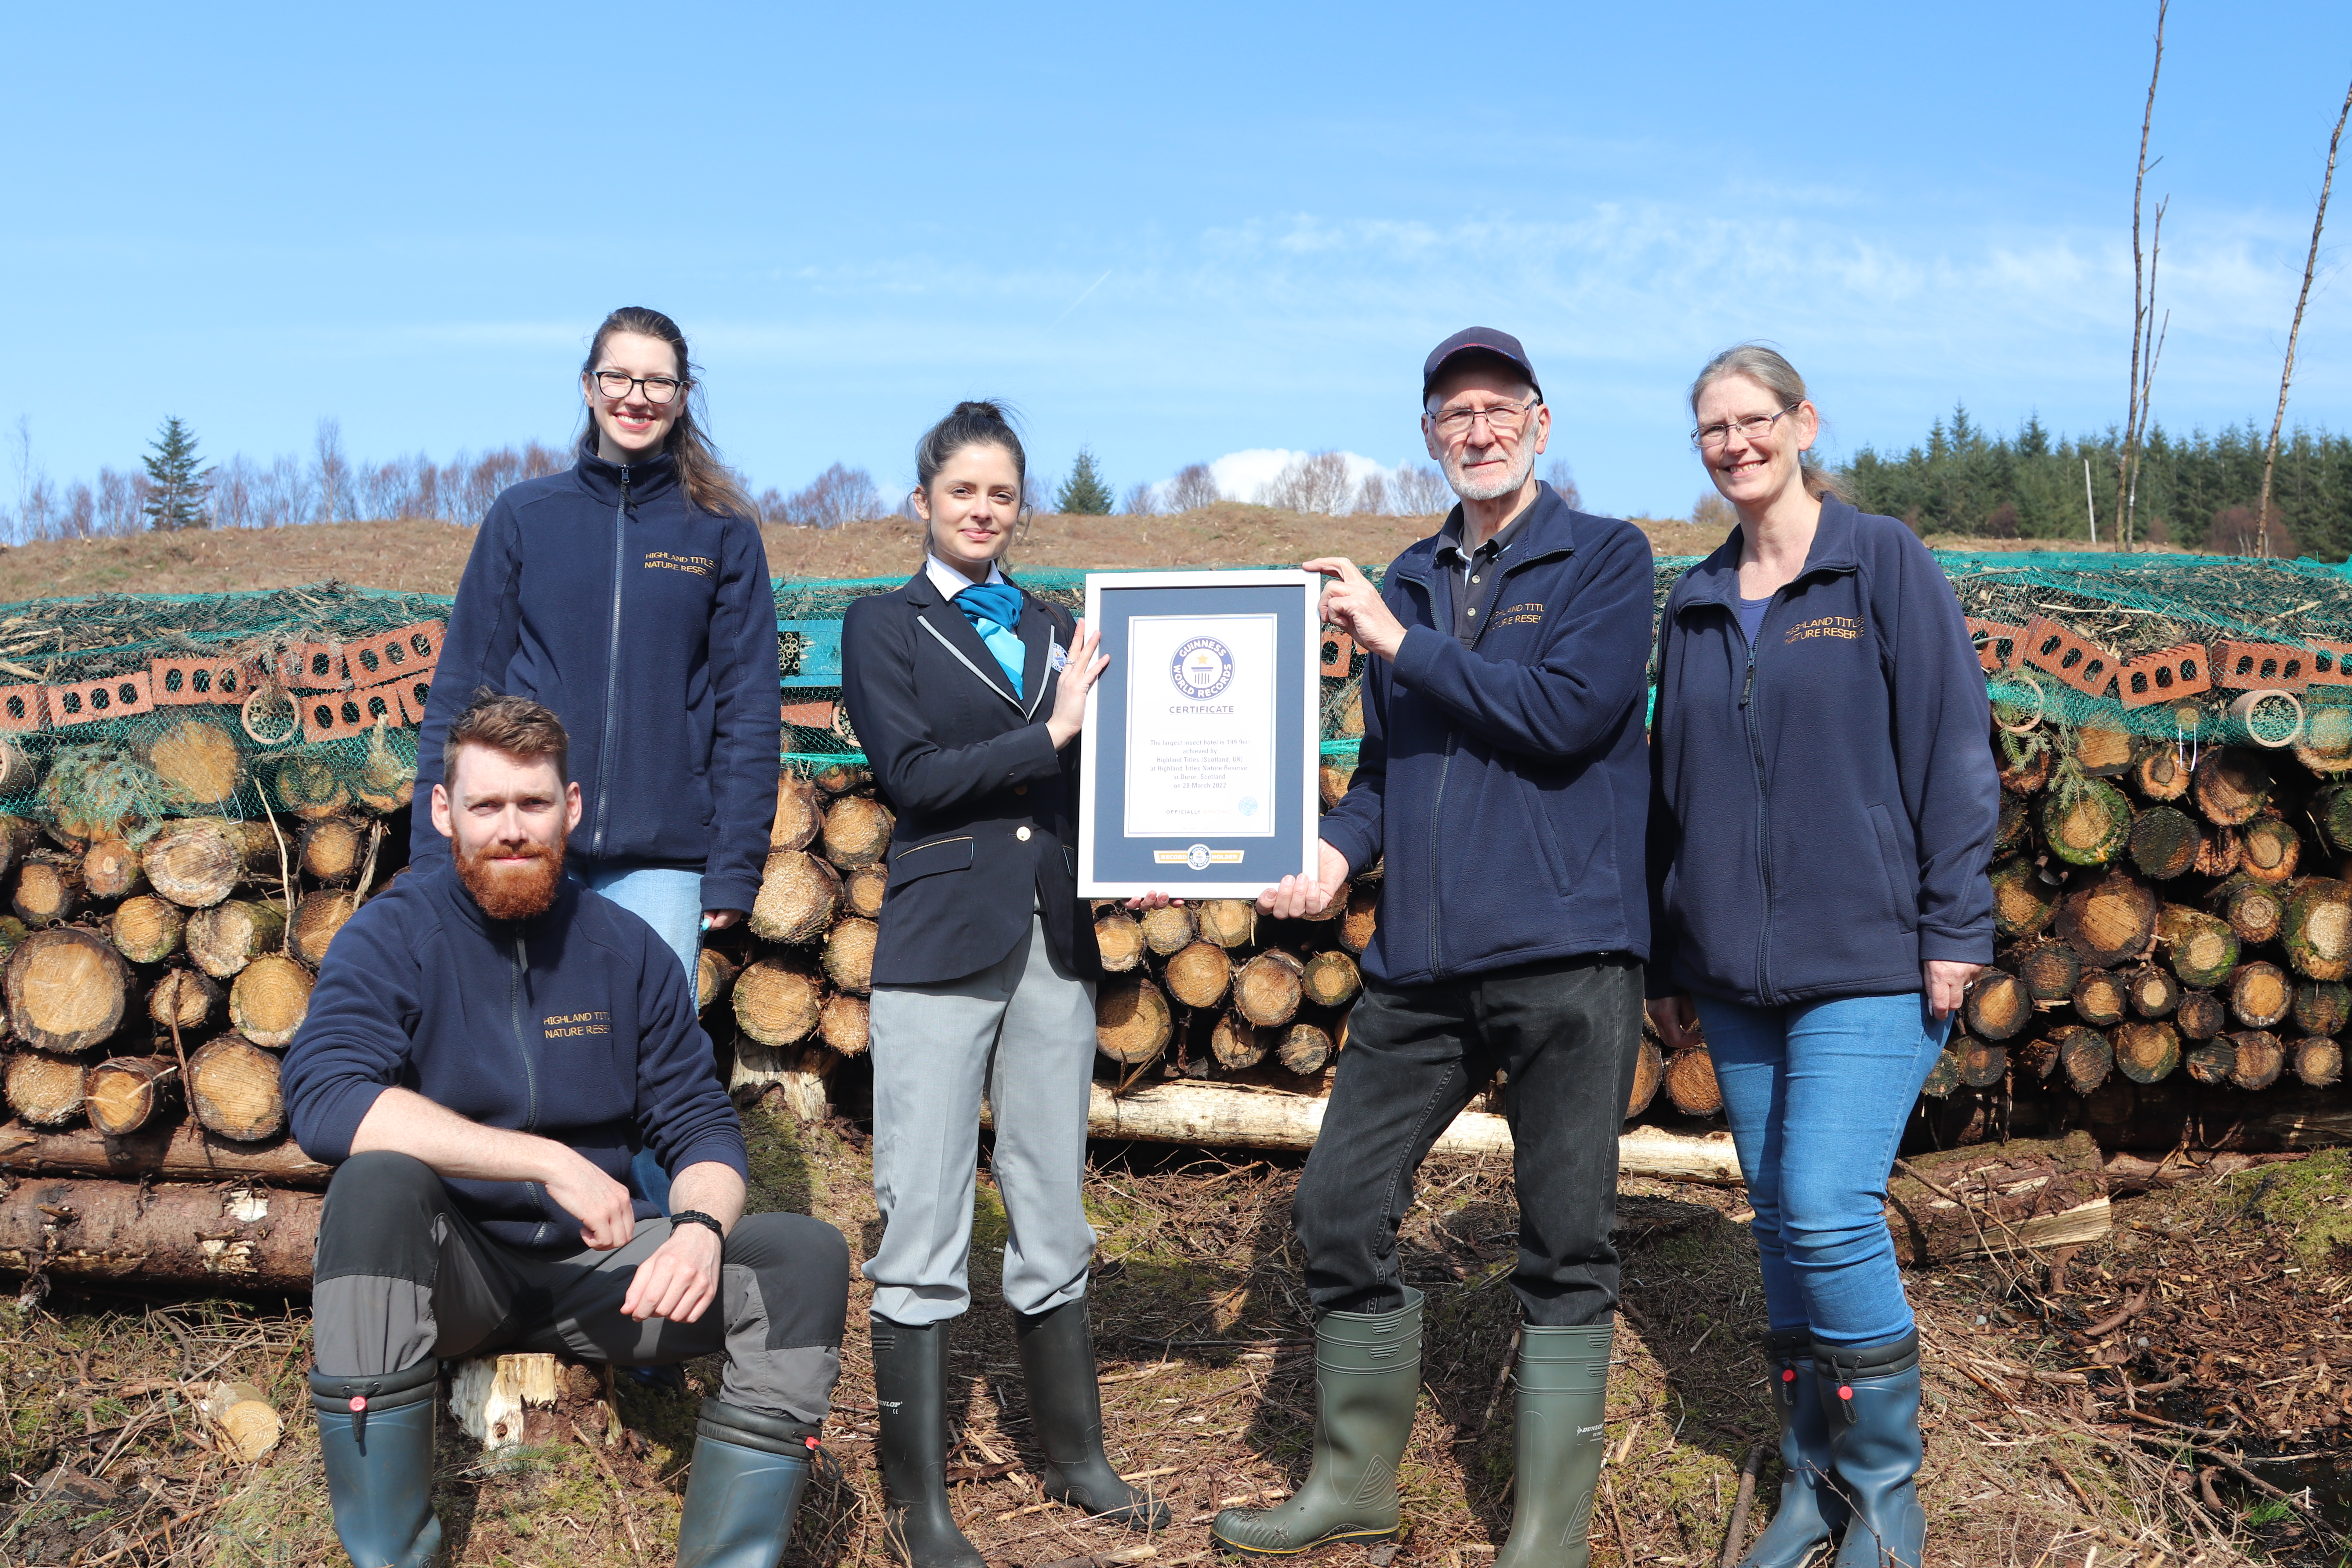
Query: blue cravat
{"x":994,"y":611}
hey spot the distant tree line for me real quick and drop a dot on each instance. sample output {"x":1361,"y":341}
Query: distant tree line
{"x":2200,"y":492}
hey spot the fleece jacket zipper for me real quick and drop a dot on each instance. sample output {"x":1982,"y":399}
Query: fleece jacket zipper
{"x":515,"y":1018}
{"x":1763,"y":813}
{"x":612,"y":671}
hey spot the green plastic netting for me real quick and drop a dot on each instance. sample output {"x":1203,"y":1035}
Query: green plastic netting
{"x":2262,"y":643}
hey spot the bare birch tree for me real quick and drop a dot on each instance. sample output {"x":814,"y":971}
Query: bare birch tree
{"x":2310,"y":265}
{"x":2148,"y":338}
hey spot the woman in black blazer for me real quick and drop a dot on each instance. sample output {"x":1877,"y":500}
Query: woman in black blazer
{"x":966,"y":693}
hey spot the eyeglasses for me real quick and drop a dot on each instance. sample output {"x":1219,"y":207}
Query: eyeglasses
{"x":1504,"y":419}
{"x":1712,"y":437}
{"x":616,"y":384}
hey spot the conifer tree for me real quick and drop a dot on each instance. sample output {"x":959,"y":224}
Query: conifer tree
{"x":178,"y":488}
{"x":1085,"y":491}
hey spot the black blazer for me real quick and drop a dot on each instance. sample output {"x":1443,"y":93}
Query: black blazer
{"x":987,"y":808}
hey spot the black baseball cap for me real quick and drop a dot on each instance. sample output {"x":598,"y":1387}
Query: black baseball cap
{"x":1476,"y":341}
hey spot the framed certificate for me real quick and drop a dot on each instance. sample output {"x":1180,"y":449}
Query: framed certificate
{"x":1197,"y":767}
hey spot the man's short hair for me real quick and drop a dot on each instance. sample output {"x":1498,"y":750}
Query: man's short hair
{"x":516,"y":726}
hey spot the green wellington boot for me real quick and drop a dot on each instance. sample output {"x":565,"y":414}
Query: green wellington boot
{"x":1810,"y":1509}
{"x":1367,"y":1382}
{"x":1556,"y":1443}
{"x":375,"y":1435}
{"x":745,"y":1485}
{"x":1057,"y":1362}
{"x":1870,"y":1395}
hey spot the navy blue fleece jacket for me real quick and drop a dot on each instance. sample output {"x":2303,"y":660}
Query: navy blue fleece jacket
{"x":1504,"y":781}
{"x":1825,"y":801}
{"x":648,"y":625}
{"x":578,"y":1024}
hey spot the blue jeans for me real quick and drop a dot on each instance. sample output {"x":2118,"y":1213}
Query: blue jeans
{"x":1817,"y":1095}
{"x":671,"y":903}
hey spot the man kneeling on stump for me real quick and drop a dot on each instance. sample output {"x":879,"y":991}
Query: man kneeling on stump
{"x":489,"y":1045}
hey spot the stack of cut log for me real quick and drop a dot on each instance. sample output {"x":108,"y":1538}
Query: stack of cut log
{"x":2174,"y":935}
{"x":1204,"y":991}
{"x":151,"y":977}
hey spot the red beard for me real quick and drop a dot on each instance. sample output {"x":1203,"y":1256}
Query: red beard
{"x":510,"y":891}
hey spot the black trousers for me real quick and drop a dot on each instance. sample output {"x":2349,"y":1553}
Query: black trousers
{"x":1565,"y":1032}
{"x":401,"y":1274}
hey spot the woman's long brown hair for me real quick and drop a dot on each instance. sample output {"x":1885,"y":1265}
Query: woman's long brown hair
{"x":709,"y":482}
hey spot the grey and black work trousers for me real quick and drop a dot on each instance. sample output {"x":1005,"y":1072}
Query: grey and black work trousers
{"x":401,"y":1274}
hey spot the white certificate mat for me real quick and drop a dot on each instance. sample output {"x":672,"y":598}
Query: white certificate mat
{"x":1204,"y":763}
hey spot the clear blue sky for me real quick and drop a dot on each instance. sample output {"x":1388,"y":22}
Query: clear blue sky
{"x":1171,"y":232}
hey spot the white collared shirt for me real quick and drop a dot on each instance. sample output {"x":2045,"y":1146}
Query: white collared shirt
{"x":951,"y":582}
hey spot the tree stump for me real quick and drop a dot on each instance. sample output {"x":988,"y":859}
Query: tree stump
{"x":2023,"y":902}
{"x":45,"y":1090}
{"x":1305,"y":1049}
{"x":197,"y":864}
{"x":2231,"y":784}
{"x":333,"y":850}
{"x":2161,"y":776}
{"x":1132,"y":1021}
{"x":2100,"y":998}
{"x":1649,"y":1075}
{"x":48,"y":888}
{"x":2154,"y":993}
{"x":799,"y":894}
{"x":2109,"y":922}
{"x":2086,"y":823}
{"x":2260,"y":1057}
{"x":1356,"y":926}
{"x":2145,"y":1053}
{"x":232,"y":1089}
{"x":198,"y":760}
{"x":66,"y":990}
{"x":2321,"y":1006}
{"x":1228,"y":922}
{"x":2256,"y":912}
{"x":1198,"y":974}
{"x":862,"y":890}
{"x":2201,"y":1015}
{"x":270,"y":999}
{"x":2164,"y":843}
{"x":229,"y":935}
{"x":1690,"y":1082}
{"x":1119,"y":939}
{"x":2272,"y":851}
{"x":2318,"y":930}
{"x":146,"y":928}
{"x":1168,"y":931}
{"x":126,"y":1093}
{"x":857,"y":831}
{"x":1236,"y":1043}
{"x":2319,"y":1062}
{"x":1331,"y":980}
{"x":2202,"y":950}
{"x":2086,"y":1057}
{"x":800,"y":813}
{"x":1268,"y":989}
{"x":1998,"y":1006}
{"x":778,"y":1001}
{"x":110,"y":871}
{"x":186,"y":998}
{"x":317,"y":917}
{"x":849,"y":954}
{"x":2050,"y":970}
{"x":844,"y":1023}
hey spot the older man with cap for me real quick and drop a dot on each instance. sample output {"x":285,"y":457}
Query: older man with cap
{"x":1502,"y":781}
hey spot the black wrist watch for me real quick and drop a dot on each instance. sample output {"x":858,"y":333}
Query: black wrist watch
{"x":696,"y":1217}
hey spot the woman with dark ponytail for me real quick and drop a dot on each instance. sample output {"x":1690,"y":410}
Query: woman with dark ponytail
{"x":630,"y":595}
{"x":966,"y":693}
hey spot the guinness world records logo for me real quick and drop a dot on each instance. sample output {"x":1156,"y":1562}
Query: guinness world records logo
{"x":1203,"y":668}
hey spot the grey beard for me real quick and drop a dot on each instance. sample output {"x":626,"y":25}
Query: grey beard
{"x":1497,"y":490}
